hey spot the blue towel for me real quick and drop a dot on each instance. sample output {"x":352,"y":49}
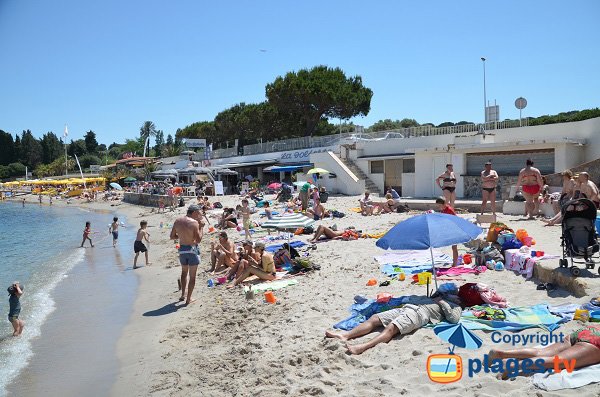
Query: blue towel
{"x":360,"y":312}
{"x":277,"y":247}
{"x":517,"y":319}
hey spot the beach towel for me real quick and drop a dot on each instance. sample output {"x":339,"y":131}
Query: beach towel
{"x":356,"y":209}
{"x":373,"y":235}
{"x":564,"y":380}
{"x":274,"y":285}
{"x":458,"y":270}
{"x":265,"y":214}
{"x":517,"y":319}
{"x":393,"y":270}
{"x":413,"y":257}
{"x":490,"y":296}
{"x":566,"y":311}
{"x":360,"y":312}
{"x":277,"y":247}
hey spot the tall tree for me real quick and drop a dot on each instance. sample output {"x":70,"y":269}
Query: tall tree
{"x":77,"y":148}
{"x":91,"y":144}
{"x":31,"y":150}
{"x":17,"y":146}
{"x":159,"y":143}
{"x":7,"y":149}
{"x":147,"y":130}
{"x":318,"y":93}
{"x":52,"y":147}
{"x":170,"y":139}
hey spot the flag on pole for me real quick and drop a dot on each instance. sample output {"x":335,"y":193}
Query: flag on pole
{"x":66,"y":131}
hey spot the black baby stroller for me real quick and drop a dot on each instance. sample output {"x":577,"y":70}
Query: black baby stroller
{"x":579,"y":237}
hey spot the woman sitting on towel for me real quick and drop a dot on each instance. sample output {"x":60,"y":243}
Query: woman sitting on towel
{"x":582,"y":348}
{"x":418,"y":312}
{"x":267,"y":270}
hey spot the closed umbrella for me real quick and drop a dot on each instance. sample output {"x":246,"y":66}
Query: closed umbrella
{"x":115,"y":185}
{"x":432,"y":230}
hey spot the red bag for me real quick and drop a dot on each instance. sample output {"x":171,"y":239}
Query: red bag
{"x":469,"y":295}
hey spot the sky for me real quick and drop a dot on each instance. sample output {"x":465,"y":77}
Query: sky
{"x":110,"y":65}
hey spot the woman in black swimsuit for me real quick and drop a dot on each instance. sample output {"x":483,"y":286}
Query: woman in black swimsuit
{"x":448,"y":185}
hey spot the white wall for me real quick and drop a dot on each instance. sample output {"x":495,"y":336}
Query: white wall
{"x":345,"y":182}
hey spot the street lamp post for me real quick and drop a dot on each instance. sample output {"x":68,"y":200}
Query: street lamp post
{"x":484,"y":95}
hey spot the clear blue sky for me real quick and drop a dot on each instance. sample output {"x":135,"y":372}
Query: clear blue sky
{"x":110,"y":65}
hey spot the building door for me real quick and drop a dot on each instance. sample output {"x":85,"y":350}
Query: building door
{"x":393,"y":174}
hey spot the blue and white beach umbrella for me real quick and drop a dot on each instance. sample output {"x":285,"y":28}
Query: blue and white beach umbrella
{"x":458,"y":335}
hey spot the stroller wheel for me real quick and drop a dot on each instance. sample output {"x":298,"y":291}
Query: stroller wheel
{"x":575,"y":271}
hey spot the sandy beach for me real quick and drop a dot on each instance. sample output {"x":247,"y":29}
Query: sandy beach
{"x":226,"y":345}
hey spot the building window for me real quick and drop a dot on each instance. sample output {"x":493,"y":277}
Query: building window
{"x":377,"y":167}
{"x":408,"y":166}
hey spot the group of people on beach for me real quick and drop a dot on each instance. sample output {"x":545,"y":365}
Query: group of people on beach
{"x":530,"y":182}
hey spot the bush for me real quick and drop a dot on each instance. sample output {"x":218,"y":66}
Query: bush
{"x":89,"y":159}
{"x":17,"y":169}
{"x":4,"y":171}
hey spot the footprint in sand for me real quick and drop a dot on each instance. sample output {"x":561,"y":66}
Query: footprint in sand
{"x":166,"y":380}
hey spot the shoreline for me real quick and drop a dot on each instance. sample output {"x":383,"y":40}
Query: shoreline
{"x":167,"y":349}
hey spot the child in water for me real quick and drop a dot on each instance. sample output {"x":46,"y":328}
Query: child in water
{"x":114,"y":229}
{"x":14,"y":301}
{"x":139,"y":245}
{"x":86,"y":234}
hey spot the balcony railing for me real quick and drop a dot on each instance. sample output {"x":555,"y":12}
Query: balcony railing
{"x":332,"y":140}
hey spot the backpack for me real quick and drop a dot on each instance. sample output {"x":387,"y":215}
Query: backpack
{"x":402,"y":208}
{"x":217,"y":205}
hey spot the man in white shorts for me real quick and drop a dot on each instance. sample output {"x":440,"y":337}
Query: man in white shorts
{"x":419,"y":311}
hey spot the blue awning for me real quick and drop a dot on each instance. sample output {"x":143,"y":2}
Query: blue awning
{"x":286,"y":168}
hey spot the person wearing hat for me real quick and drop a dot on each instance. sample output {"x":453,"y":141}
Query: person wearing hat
{"x":489,"y":181}
{"x":189,"y":232}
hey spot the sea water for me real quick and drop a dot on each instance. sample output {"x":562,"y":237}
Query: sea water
{"x":39,"y":247}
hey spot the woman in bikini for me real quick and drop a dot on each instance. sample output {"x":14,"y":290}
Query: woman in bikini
{"x":448,"y":185}
{"x":489,"y":180}
{"x":582,"y":346}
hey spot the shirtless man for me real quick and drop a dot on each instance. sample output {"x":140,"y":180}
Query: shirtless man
{"x":222,"y":254}
{"x":246,"y":212}
{"x":530,"y":179}
{"x":317,"y":211}
{"x":489,"y":181}
{"x":187,"y":229}
{"x":588,"y":188}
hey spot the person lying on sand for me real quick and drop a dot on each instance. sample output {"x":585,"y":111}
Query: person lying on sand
{"x":322,"y":230}
{"x":267,"y":270}
{"x":418,"y":312}
{"x":582,"y":346}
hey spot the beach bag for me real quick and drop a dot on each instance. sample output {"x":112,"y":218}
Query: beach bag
{"x":494,"y":231}
{"x":519,"y":197}
{"x":402,"y":208}
{"x":469,"y":295}
{"x":217,"y":205}
{"x":181,"y":202}
{"x":337,"y":214}
{"x":308,"y":230}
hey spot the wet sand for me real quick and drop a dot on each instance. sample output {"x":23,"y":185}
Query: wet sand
{"x":75,"y":354}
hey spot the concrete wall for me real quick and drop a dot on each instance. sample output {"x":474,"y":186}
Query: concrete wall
{"x":345,"y":181}
{"x":150,"y":200}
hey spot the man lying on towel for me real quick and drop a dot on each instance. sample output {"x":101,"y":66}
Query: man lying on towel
{"x":418,"y":312}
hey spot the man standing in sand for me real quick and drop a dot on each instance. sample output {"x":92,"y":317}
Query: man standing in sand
{"x":588,"y":188}
{"x":187,"y":229}
{"x":530,"y":179}
{"x":222,"y":254}
{"x":489,"y":180}
{"x":246,"y":212}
